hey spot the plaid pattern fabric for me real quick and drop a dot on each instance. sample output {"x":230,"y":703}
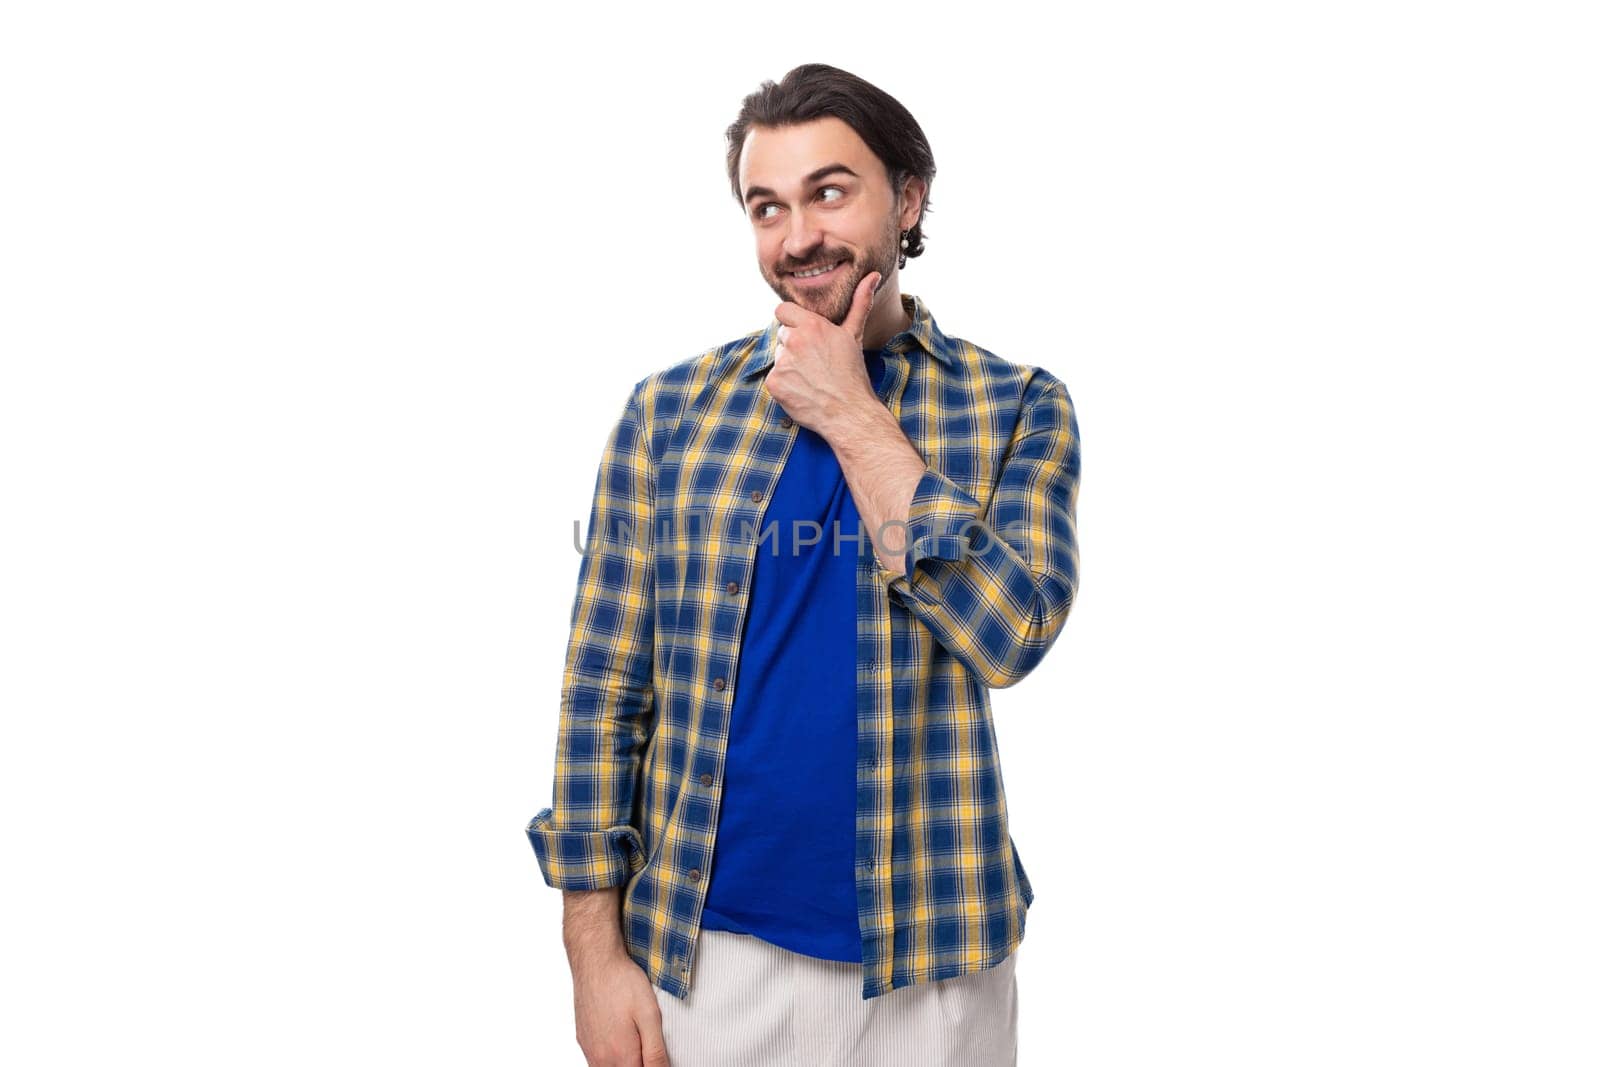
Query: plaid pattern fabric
{"x":657,"y":621}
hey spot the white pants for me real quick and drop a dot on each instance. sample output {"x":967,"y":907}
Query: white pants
{"x":754,"y":1004}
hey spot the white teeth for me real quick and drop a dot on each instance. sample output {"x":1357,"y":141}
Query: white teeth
{"x":819,"y":270}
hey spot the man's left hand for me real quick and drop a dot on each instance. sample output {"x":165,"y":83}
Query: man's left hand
{"x":819,"y":374}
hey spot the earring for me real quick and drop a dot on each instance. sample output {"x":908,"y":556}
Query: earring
{"x":905,"y":242}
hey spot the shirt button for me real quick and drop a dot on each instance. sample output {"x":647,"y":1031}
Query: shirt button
{"x":788,"y":423}
{"x":733,"y":587}
{"x":694,"y":875}
{"x":705,"y":779}
{"x":719,"y":684}
{"x":757,"y":495}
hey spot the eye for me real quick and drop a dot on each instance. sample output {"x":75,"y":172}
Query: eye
{"x":760,"y":209}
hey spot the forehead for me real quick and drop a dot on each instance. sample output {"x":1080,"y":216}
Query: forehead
{"x":780,"y":157}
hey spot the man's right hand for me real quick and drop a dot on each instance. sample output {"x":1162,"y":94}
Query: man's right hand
{"x":619,"y":1021}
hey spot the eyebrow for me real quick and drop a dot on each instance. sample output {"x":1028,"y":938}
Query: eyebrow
{"x":811,"y":179}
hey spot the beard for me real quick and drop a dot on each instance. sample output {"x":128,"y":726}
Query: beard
{"x":832,"y":301}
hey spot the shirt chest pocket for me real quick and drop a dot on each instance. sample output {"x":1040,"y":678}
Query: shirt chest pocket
{"x":971,"y":469}
{"x":961,"y":446}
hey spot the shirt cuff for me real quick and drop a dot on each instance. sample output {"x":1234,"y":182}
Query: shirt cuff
{"x":939,"y":526}
{"x":585,"y":859}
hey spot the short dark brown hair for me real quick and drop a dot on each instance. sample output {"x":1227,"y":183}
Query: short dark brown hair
{"x":815,"y":90}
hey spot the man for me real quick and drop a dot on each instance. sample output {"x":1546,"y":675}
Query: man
{"x":778,"y":815}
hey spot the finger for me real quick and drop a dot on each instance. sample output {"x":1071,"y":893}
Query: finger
{"x":791,"y":314}
{"x":861,"y":304}
{"x":652,"y":1042}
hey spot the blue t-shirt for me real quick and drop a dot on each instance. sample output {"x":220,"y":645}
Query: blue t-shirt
{"x":783,"y":863}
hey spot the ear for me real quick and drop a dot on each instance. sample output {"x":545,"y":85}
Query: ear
{"x":913,"y":196}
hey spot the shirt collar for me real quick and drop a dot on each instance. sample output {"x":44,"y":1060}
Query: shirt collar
{"x":923,"y":333}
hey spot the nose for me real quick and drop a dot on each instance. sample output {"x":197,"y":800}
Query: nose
{"x":802,"y":238}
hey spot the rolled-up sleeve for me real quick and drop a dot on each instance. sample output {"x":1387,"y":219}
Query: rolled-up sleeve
{"x":586,"y":838}
{"x":584,"y":859}
{"x":995,"y":585}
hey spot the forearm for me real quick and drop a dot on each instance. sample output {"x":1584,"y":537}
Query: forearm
{"x":882,"y":468}
{"x":591,"y":925}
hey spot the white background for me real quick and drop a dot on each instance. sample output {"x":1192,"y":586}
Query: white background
{"x":315,"y":317}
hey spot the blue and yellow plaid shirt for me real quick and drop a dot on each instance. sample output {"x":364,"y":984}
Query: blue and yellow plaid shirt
{"x":657,"y":622}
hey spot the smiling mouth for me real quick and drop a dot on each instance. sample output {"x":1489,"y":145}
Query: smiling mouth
{"x":801,"y":276}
